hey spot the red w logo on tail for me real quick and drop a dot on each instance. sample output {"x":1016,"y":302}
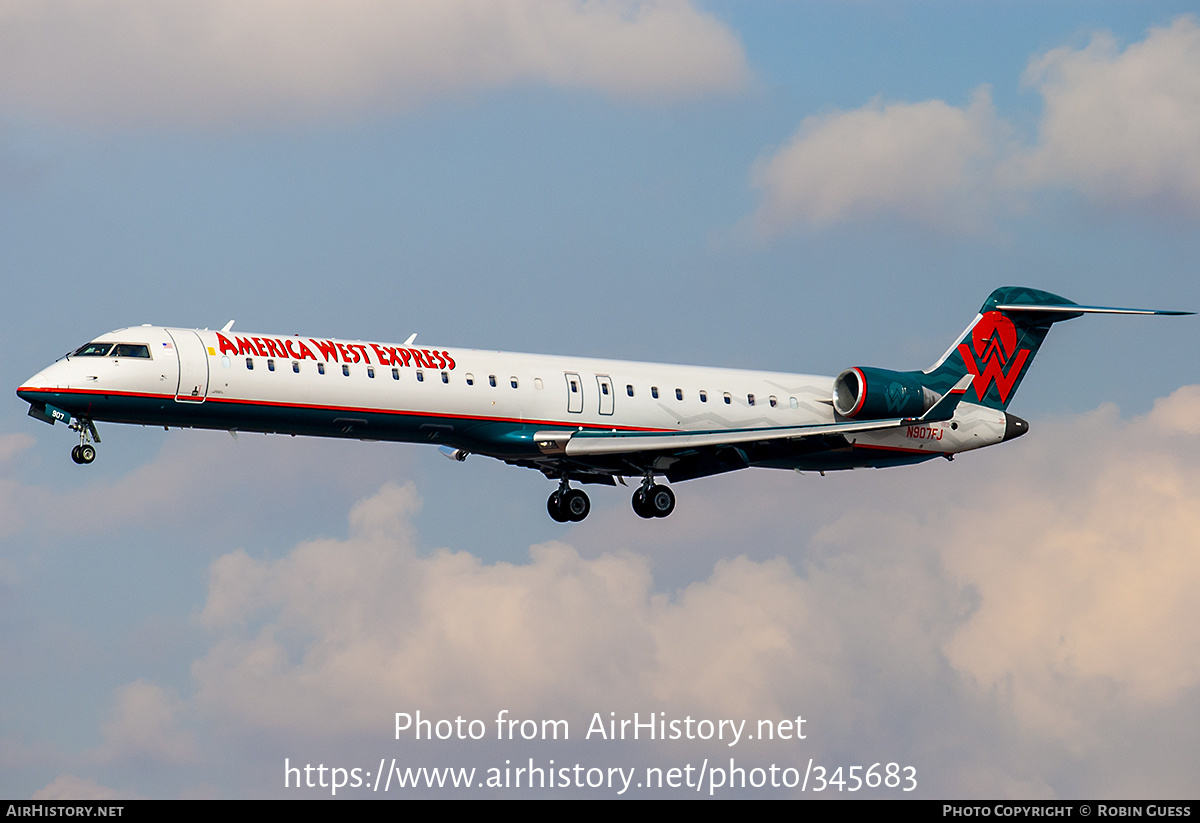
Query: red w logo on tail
{"x":994,"y":339}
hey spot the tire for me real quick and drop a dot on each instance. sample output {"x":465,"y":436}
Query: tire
{"x":555,"y":509}
{"x":87,"y":453}
{"x":75,"y":455}
{"x":660,"y":501}
{"x":576,"y":505}
{"x":640,"y":507}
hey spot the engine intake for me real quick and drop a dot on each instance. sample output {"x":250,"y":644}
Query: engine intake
{"x":869,"y":394}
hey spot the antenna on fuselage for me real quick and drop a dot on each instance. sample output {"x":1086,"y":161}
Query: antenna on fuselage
{"x":410,"y":339}
{"x":227,"y":326}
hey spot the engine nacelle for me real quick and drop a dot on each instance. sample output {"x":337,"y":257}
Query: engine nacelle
{"x":869,"y":394}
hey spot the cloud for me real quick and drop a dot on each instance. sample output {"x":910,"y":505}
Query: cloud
{"x":925,"y":160}
{"x":194,"y":472}
{"x":144,"y":727}
{"x":227,"y":62}
{"x":341,"y":632}
{"x":1086,"y":605}
{"x":1120,"y":127}
{"x":13,"y":444}
{"x":990,"y":628}
{"x":70,"y":787}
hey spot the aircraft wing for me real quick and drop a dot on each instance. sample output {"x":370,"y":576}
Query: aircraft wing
{"x":587,"y":443}
{"x":590,"y":443}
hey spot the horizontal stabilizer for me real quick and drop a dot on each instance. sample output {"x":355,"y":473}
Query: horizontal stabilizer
{"x":1071,"y":308}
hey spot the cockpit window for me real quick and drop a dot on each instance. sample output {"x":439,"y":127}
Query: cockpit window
{"x":130,"y":350}
{"x":93,"y":350}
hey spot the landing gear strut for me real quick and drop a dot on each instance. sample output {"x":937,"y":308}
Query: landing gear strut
{"x":653,"y":500}
{"x":568,"y":504}
{"x":85,"y":452}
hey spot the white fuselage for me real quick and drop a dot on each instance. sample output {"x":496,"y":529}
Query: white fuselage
{"x":487,"y":402}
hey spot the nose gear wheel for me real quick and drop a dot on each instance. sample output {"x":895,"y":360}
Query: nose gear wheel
{"x":85,"y":452}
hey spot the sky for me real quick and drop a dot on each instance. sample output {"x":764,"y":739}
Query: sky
{"x":781,"y":186}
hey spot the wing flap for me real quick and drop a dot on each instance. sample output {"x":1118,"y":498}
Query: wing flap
{"x":587,"y":443}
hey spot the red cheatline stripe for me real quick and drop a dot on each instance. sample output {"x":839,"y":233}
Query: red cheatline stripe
{"x":572,"y":424}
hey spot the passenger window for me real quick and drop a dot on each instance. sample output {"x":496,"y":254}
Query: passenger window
{"x":728,"y":399}
{"x":250,"y":363}
{"x":420,"y":376}
{"x":492,"y":381}
{"x":225,"y":360}
{"x":703,"y":396}
{"x":654,"y":392}
{"x":320,"y":368}
{"x":537,"y":383}
{"x":345,"y":370}
{"x":604,"y":388}
{"x":574,"y":387}
{"x":629,"y":390}
{"x":470,"y":380}
{"x":513,"y":381}
{"x":750,"y":399}
{"x":296,"y":366}
{"x":445,"y":377}
{"x":395,"y":374}
{"x":774,"y":402}
{"x":795,"y":404}
{"x":371,"y":371}
{"x":270,"y":364}
{"x":679,"y":394}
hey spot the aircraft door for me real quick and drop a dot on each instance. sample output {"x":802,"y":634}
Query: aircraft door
{"x":605,"y":385}
{"x":193,"y":366}
{"x":574,"y":393}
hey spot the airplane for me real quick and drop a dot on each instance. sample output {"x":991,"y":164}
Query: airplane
{"x":574,"y":419}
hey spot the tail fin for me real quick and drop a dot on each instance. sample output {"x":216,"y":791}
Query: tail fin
{"x":1001,"y":342}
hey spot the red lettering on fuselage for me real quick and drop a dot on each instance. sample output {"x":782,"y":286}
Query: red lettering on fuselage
{"x":327,"y":349}
{"x":382,"y":353}
{"x":330,"y":350}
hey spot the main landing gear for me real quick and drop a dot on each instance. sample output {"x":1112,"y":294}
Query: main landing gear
{"x":85,"y":452}
{"x":568,"y":504}
{"x":653,"y":500}
{"x":572,"y":505}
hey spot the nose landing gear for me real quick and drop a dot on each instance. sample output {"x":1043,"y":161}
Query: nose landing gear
{"x":85,"y":452}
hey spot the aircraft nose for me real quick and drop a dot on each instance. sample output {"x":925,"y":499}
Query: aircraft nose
{"x":47,"y":378}
{"x":1014,"y":427}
